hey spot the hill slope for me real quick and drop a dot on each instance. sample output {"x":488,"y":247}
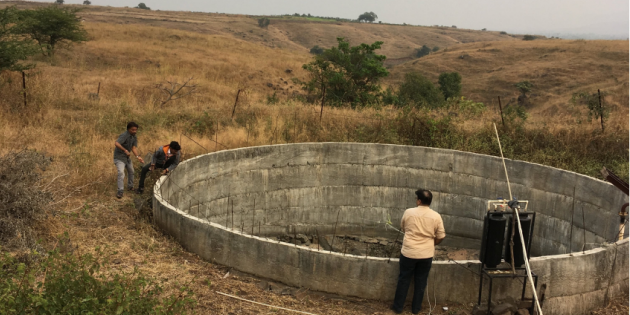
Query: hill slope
{"x":557,"y":68}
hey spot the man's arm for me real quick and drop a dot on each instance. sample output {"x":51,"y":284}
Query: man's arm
{"x":176,"y":162}
{"x":440,"y":233}
{"x":119,"y":146}
{"x":135,"y":152}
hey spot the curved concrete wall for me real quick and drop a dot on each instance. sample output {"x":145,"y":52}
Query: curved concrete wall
{"x":209,"y":200}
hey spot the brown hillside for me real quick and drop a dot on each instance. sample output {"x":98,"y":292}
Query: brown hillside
{"x":292,"y":33}
{"x":557,"y":68}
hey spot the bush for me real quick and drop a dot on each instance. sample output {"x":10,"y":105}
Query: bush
{"x":418,"y":91}
{"x":529,"y":37}
{"x":450,"y":84}
{"x":87,"y":2}
{"x":82,"y":284}
{"x":316,"y":50}
{"x":503,"y":33}
{"x":524,"y":87}
{"x":483,"y":29}
{"x":425,"y":50}
{"x":142,"y":6}
{"x":436,"y":48}
{"x":22,"y":197}
{"x":453,"y":26}
{"x":263,"y":22}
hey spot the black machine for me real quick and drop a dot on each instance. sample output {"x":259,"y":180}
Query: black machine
{"x":496,"y":245}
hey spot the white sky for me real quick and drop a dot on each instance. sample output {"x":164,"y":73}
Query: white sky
{"x":604,"y":18}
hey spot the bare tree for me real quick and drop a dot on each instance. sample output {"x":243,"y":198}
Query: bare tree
{"x":175,"y":90}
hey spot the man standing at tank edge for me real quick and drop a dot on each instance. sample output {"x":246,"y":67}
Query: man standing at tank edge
{"x":126,"y":143}
{"x":423,"y":230}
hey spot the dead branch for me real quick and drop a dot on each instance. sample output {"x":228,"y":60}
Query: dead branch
{"x":174,"y":90}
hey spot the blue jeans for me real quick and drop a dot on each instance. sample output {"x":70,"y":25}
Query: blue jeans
{"x":419,"y":270}
{"x":120,"y":167}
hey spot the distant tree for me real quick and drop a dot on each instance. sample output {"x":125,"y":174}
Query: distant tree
{"x":296,"y":14}
{"x":87,"y":2}
{"x":13,"y":48}
{"x":59,"y":1}
{"x":453,"y":26}
{"x":450,"y":84}
{"x":594,"y":103}
{"x":529,"y":37}
{"x":436,"y":48}
{"x":367,"y":17}
{"x":51,"y":26}
{"x":142,"y":6}
{"x":316,"y":50}
{"x":303,"y":15}
{"x":419,"y":91}
{"x":503,"y":33}
{"x":263,"y":22}
{"x":309,"y":15}
{"x":425,"y":50}
{"x":346,"y":74}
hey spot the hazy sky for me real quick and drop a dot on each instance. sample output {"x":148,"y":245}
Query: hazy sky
{"x":604,"y":17}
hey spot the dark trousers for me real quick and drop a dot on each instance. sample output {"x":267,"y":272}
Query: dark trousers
{"x":145,"y":170}
{"x":419,"y":270}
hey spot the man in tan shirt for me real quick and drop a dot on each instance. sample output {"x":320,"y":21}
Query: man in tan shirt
{"x":423,"y":230}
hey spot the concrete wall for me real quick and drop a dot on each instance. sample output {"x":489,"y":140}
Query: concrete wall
{"x":208,"y":200}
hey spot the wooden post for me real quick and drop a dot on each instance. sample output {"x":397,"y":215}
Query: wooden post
{"x":216,"y":133}
{"x":321,"y":113}
{"x":253,"y":214}
{"x":98,"y":90}
{"x":24,"y":87}
{"x":501,"y":110}
{"x":236,"y":102}
{"x":601,"y":109}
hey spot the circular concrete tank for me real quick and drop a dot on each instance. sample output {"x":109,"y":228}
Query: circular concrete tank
{"x":227,"y":206}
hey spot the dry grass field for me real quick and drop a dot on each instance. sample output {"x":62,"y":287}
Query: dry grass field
{"x":131,"y":51}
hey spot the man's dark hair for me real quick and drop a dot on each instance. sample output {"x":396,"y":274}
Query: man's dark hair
{"x":424,"y":196}
{"x":132,"y":124}
{"x":175,"y":146}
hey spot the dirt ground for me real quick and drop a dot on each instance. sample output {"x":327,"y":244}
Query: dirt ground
{"x":371,"y":246}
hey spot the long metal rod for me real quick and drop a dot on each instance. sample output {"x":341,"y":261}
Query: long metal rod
{"x":520,"y":232}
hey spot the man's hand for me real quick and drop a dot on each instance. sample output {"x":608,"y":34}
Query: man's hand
{"x":164,"y":172}
{"x":152,"y":167}
{"x":127,"y":152}
{"x":140,"y":159}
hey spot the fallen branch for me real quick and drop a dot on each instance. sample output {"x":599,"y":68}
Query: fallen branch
{"x":278,"y":307}
{"x":173,"y":92}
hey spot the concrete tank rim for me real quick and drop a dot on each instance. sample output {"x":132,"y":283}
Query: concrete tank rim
{"x":395,"y":145}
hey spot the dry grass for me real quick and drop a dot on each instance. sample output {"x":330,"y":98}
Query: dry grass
{"x":128,"y":59}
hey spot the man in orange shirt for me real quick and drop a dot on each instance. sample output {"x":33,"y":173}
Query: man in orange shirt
{"x":423,"y":230}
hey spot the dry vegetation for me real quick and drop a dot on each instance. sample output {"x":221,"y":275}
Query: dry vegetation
{"x":136,"y":49}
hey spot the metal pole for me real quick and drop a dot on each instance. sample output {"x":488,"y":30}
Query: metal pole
{"x":24,"y":87}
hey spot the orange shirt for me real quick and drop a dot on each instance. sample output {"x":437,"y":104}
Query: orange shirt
{"x":421,"y":226}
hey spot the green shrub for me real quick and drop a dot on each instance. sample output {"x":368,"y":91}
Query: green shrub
{"x":503,"y":33}
{"x":425,"y":50}
{"x":436,"y":48}
{"x":82,"y":284}
{"x":316,"y":50}
{"x":529,"y":37}
{"x":450,"y":84}
{"x":263,"y":22}
{"x":419,"y":91}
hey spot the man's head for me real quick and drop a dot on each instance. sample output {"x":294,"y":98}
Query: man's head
{"x":174,"y":146}
{"x":424,"y":197}
{"x":132,"y":128}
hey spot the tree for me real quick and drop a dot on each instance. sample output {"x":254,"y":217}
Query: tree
{"x":417,"y":90}
{"x":450,"y":84}
{"x":594,"y":103}
{"x":529,"y":37}
{"x":524,"y":87}
{"x":345,"y":74}
{"x":143,"y":6}
{"x":425,"y":50}
{"x":367,"y":17}
{"x":13,"y":48}
{"x":59,"y":1}
{"x":87,"y":2}
{"x":436,"y":48}
{"x":263,"y":22}
{"x":51,"y":26}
